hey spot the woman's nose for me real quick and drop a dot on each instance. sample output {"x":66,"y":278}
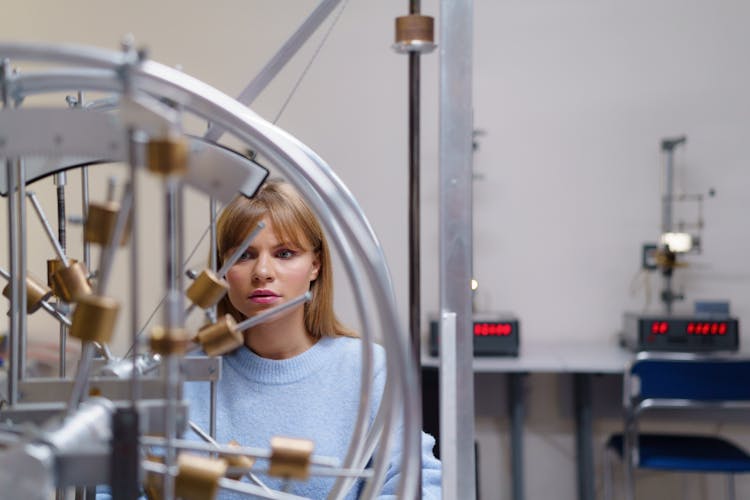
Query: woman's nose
{"x":262,"y":270}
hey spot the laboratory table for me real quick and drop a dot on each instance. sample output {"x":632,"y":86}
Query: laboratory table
{"x":582,"y":361}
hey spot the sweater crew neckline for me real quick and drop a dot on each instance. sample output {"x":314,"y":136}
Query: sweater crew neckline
{"x":280,"y":371}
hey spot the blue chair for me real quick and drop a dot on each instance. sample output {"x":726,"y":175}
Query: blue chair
{"x":679,"y":381}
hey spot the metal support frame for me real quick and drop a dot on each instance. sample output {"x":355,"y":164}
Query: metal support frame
{"x":455,"y":151}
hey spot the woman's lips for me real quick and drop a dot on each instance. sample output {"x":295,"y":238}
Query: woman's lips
{"x":264,"y":297}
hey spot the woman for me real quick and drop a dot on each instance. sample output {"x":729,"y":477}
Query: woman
{"x":299,"y":374}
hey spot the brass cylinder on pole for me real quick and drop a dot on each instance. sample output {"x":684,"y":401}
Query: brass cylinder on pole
{"x":290,"y":457}
{"x":71,"y":283}
{"x":101,"y":221}
{"x":94,"y":318}
{"x":167,"y":156}
{"x":198,"y":476}
{"x":207,"y":289}
{"x":35,"y":293}
{"x":221,"y":337}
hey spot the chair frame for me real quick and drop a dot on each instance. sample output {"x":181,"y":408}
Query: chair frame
{"x":634,"y":406}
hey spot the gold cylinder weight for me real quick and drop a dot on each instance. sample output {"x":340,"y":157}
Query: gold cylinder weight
{"x":221,"y":337}
{"x":240,"y":462}
{"x":198,"y":476}
{"x":168,"y":156}
{"x":414,"y":28}
{"x":35,"y":293}
{"x":71,"y":283}
{"x":207,"y":289}
{"x":290,"y":457}
{"x":101,"y":222}
{"x":94,"y":318}
{"x":169,"y":341}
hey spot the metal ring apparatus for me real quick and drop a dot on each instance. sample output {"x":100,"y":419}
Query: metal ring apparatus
{"x":75,"y":137}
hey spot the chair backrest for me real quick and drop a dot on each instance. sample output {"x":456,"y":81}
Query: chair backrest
{"x":693,"y":377}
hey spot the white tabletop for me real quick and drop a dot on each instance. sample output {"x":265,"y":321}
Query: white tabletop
{"x":553,"y":357}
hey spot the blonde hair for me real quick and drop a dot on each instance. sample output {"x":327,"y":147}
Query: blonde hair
{"x":293,"y":221}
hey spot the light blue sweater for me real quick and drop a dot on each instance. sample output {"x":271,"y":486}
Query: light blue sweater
{"x":313,"y":395}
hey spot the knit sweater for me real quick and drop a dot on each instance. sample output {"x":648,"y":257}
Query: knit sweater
{"x":313,"y":395}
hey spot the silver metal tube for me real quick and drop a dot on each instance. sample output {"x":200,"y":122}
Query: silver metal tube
{"x":81,"y":381}
{"x":60,"y":181}
{"x":15,"y":279}
{"x":48,"y":229}
{"x":134,"y":271}
{"x":240,"y":249}
{"x":58,"y":315}
{"x":213,"y":262}
{"x":455,"y":223}
{"x":85,"y":211}
{"x":22,"y":247}
{"x":274,"y":312}
{"x":279,"y":60}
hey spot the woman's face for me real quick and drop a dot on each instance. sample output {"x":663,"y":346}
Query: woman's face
{"x":270,"y":272}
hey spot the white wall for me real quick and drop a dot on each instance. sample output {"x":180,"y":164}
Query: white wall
{"x":574,"y":97}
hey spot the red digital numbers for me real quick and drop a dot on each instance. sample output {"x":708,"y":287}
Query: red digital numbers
{"x":659,"y":327}
{"x":492,"y":329}
{"x":706,"y":328}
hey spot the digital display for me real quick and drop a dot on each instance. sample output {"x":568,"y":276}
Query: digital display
{"x":492,"y":329}
{"x":690,"y":327}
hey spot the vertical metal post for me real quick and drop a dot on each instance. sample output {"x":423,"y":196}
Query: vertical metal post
{"x":414,"y":198}
{"x":516,"y":406}
{"x":22,"y":269}
{"x":584,"y":441}
{"x":60,"y":181}
{"x":134,"y":269}
{"x":455,"y":152}
{"x":213,"y":263}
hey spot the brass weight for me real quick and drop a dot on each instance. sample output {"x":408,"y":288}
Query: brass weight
{"x":290,"y":457}
{"x":94,"y":318}
{"x":101,"y":221}
{"x":169,"y":341}
{"x":414,"y":28}
{"x":198,"y":476}
{"x":35,"y":294}
{"x":71,"y":283}
{"x":221,"y":337}
{"x":167,"y":156}
{"x":207,"y":289}
{"x":238,"y":462}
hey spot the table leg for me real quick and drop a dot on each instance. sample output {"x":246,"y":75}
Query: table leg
{"x":516,"y":410}
{"x":584,"y":441}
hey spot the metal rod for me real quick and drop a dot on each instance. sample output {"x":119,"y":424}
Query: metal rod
{"x":60,"y":181}
{"x":279,"y":60}
{"x":455,"y":227}
{"x":81,"y":381}
{"x":15,"y":280}
{"x":22,"y":264}
{"x":173,"y":316}
{"x":211,"y":440}
{"x":85,"y":211}
{"x":58,"y":315}
{"x":240,"y":249}
{"x":262,"y":453}
{"x":213,"y":262}
{"x":516,"y":405}
{"x":272,"y":313}
{"x":48,"y":229}
{"x":135,"y":391}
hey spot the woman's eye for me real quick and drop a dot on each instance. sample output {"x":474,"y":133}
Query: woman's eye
{"x":285,"y":253}
{"x":245,"y":256}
